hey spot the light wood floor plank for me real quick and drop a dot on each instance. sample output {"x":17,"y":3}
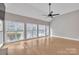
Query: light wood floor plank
{"x":44,"y":46}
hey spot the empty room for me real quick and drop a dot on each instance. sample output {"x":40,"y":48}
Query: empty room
{"x":39,"y":28}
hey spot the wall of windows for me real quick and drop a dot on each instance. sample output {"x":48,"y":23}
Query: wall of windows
{"x":1,"y":31}
{"x":31,"y":30}
{"x":14,"y":31}
{"x":19,"y":31}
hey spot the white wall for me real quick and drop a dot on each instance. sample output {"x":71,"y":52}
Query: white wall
{"x":66,"y":25}
{"x":24,"y":19}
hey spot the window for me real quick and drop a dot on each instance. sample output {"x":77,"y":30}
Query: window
{"x":14,"y":31}
{"x":1,"y":32}
{"x":20,"y":31}
{"x":34,"y":29}
{"x":51,"y":32}
{"x":47,"y":30}
{"x":31,"y":30}
{"x":41,"y":30}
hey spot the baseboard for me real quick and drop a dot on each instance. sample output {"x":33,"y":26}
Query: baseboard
{"x":65,"y":37}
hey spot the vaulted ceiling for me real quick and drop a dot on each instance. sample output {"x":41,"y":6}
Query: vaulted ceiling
{"x":38,"y":10}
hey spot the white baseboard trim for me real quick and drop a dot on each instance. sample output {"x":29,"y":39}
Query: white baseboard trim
{"x":66,"y":37}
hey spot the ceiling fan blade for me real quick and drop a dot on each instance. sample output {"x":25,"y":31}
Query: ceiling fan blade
{"x":45,"y":15}
{"x":55,"y":14}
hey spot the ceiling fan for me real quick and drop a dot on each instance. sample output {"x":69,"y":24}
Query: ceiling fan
{"x":50,"y":14}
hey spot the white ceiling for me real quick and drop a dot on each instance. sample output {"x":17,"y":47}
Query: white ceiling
{"x":37,"y":10}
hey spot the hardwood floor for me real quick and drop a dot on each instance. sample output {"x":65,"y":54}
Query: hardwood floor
{"x":44,"y":46}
